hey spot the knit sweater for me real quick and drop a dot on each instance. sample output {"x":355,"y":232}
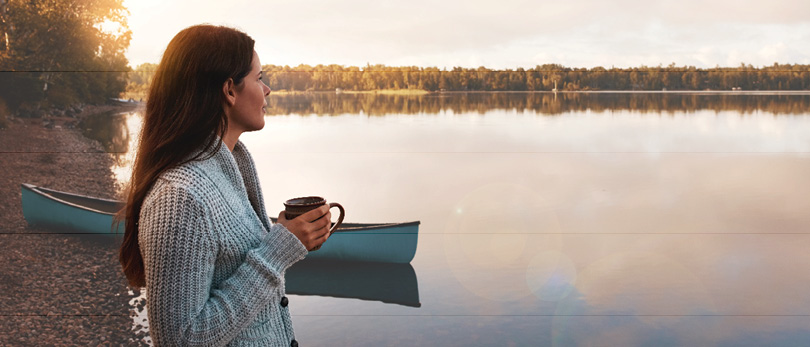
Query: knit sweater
{"x":214,"y":262}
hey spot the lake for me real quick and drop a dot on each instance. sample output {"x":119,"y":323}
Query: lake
{"x":550,"y":219}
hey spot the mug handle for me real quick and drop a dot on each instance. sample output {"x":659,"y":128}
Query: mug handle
{"x":340,"y":219}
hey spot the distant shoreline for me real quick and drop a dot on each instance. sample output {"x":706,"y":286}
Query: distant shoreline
{"x":547,"y":77}
{"x":378,"y":92}
{"x":425,"y":92}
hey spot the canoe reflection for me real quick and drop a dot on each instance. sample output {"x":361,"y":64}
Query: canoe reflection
{"x":385,"y":282}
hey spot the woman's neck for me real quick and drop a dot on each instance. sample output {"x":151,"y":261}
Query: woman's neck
{"x":230,"y":139}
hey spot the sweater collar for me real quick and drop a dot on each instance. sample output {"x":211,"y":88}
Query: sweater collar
{"x":240,"y":170}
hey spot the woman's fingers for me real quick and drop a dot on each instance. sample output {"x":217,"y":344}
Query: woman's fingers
{"x":323,"y":222}
{"x":320,"y":227}
{"x":320,"y":232}
{"x":320,"y":240}
{"x":314,"y":214}
{"x":317,"y":239}
{"x":321,"y":235}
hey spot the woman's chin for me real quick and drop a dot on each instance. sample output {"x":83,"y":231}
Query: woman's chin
{"x":259,"y":126}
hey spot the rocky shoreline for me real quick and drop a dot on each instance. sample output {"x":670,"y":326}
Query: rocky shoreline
{"x":59,"y":289}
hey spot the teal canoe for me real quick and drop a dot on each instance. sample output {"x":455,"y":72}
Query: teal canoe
{"x":79,"y":214}
{"x":69,"y":213}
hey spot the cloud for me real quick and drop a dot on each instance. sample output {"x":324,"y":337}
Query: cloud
{"x":506,"y":33}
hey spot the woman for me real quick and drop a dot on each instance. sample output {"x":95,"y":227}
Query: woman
{"x":197,"y":234}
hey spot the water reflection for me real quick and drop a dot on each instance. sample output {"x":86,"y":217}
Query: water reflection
{"x":111,"y":130}
{"x":388,"y":283}
{"x":118,"y":135}
{"x":541,"y":103}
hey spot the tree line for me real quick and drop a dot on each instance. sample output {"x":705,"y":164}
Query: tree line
{"x":57,"y":54}
{"x":540,"y":78}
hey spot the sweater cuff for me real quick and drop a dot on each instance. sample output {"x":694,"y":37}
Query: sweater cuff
{"x":281,"y":248}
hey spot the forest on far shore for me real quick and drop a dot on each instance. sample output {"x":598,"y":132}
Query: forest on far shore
{"x":540,"y":78}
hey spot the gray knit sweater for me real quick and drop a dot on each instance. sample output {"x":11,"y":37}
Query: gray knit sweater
{"x":214,"y":262}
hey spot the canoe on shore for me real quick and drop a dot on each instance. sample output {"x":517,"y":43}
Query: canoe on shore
{"x":69,"y":213}
{"x":78,"y":214}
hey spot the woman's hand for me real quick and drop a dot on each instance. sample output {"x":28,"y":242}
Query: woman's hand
{"x":309,"y":228}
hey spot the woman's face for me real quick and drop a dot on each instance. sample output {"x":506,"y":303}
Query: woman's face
{"x":247,"y":112}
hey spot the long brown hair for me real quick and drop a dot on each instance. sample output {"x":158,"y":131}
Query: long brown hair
{"x":183,"y":114}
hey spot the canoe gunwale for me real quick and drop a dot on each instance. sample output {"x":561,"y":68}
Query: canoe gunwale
{"x":369,"y":226}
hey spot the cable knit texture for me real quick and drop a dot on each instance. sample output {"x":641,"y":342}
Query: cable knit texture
{"x":214,"y":262}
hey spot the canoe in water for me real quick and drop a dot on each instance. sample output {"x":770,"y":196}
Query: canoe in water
{"x":384,"y":242}
{"x":78,"y":214}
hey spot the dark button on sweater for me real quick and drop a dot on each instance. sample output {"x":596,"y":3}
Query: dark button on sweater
{"x":284,"y":302}
{"x":294,"y":343}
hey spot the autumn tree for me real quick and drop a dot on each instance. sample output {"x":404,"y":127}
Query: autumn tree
{"x":62,"y":52}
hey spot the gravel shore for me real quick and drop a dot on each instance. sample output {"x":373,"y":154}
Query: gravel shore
{"x":58,"y":289}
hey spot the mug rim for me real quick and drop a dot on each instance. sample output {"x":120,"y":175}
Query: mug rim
{"x":320,"y":200}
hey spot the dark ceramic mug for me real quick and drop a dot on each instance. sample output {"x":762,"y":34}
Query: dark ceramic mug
{"x":298,"y":206}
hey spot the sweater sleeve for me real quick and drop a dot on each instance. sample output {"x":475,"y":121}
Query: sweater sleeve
{"x":179,"y":254}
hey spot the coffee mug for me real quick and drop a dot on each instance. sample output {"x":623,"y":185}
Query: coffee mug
{"x":298,"y":206}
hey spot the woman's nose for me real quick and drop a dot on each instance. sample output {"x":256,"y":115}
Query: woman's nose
{"x":266,"y":89}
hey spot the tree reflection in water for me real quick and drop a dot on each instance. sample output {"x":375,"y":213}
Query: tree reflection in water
{"x":111,"y":130}
{"x":542,"y":103}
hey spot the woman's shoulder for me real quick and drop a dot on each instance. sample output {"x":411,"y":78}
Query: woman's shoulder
{"x":189,"y":174}
{"x":189,"y":178}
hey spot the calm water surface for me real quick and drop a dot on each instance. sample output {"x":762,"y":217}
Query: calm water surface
{"x":575,"y":219}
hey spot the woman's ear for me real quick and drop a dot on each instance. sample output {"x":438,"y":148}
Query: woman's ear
{"x":228,"y":92}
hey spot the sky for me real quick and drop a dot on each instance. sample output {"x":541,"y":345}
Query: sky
{"x":503,"y":34}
